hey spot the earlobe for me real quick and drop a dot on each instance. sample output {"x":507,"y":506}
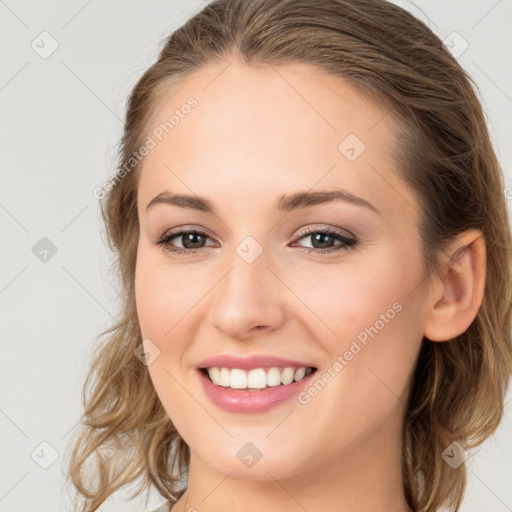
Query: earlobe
{"x":460,"y":292}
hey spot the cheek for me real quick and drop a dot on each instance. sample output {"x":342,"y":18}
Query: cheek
{"x":167,"y":300}
{"x":367,"y":289}
{"x":370,"y":327}
{"x":365,"y":387}
{"x":163,"y":294}
{"x":161,"y":303}
{"x":372,"y":387}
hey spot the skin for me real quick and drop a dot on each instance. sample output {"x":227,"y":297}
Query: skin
{"x":258,"y":133}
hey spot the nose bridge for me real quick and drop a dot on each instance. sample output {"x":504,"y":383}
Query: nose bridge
{"x":246,"y":297}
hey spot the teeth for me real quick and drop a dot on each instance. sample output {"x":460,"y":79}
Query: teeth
{"x":238,"y":379}
{"x":273,"y":377}
{"x":287,"y":376}
{"x":257,"y":378}
{"x":300,"y":373}
{"x":224,"y":377}
{"x":214,"y":375}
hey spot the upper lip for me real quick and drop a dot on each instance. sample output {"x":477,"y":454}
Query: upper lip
{"x":251,"y":362}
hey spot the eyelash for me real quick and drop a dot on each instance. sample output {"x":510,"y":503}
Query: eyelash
{"x":346,"y":243}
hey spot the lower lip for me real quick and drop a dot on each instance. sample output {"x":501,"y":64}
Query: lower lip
{"x":245,"y":401}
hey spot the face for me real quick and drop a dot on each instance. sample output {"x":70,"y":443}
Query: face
{"x":327,"y":286}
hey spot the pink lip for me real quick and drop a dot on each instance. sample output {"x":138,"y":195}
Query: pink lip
{"x":245,"y":401}
{"x":249,"y":363}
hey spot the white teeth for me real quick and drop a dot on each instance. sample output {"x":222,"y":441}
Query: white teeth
{"x":225,"y":377}
{"x":257,"y":378}
{"x":287,"y":375}
{"x":238,"y":379}
{"x":215,"y":375}
{"x":273,"y":377}
{"x":299,"y":374}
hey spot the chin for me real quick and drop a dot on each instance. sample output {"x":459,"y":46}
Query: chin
{"x":268,"y":463}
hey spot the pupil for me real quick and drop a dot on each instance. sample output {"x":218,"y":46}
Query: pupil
{"x":189,"y":237}
{"x":321,"y":235}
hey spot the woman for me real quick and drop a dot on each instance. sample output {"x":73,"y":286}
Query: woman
{"x":314,"y":250}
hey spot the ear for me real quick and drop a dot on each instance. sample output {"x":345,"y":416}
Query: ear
{"x":459,"y":292}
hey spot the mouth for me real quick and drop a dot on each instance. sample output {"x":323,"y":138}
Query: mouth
{"x":256,"y":378}
{"x":252,"y":384}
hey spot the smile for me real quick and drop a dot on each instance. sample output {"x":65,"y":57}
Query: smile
{"x":257,"y":378}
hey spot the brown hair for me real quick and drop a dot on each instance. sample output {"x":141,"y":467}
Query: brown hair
{"x":444,"y":154}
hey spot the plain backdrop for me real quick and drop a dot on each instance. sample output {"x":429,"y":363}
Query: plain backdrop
{"x":65,"y":72}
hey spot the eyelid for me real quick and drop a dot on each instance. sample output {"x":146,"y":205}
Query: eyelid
{"x":186,"y":228}
{"x":311,"y":228}
{"x":183,"y":230}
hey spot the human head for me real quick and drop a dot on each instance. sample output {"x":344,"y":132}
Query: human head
{"x":444,"y":155}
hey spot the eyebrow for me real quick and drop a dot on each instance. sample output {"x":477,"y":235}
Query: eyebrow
{"x":284,"y":203}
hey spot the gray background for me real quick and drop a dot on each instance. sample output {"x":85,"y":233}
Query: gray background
{"x":61,"y":120}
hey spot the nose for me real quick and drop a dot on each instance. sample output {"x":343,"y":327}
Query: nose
{"x":248,"y":301}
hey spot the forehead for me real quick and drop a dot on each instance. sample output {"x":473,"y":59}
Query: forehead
{"x":265,"y":130}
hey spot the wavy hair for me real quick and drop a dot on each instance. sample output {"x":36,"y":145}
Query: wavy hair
{"x":444,"y":153}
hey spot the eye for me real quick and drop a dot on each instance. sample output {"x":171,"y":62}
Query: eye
{"x":192,"y":241}
{"x":323,"y":238}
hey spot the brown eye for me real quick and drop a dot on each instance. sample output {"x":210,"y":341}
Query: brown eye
{"x":324,"y":241}
{"x":191,"y":241}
